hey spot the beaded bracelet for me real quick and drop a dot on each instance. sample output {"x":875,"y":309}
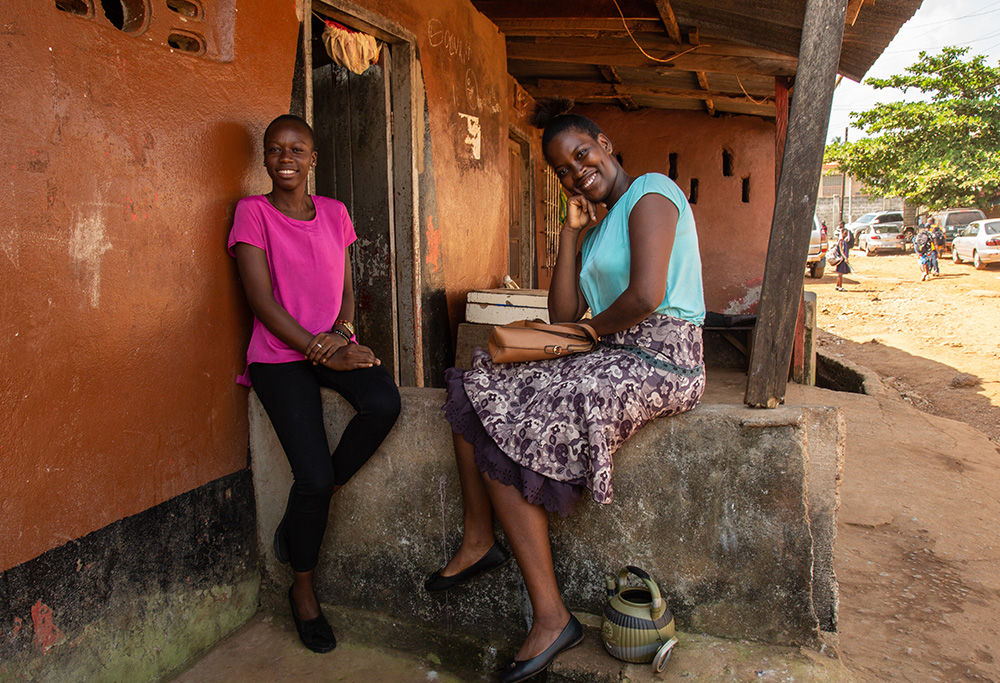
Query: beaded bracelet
{"x":344,"y":335}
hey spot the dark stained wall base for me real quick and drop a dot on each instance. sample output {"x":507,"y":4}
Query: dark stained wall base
{"x":138,"y":599}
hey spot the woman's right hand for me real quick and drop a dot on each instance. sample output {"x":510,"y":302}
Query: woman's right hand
{"x":580,"y":212}
{"x":351,"y":357}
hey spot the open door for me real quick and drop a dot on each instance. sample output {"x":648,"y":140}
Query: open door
{"x":351,"y":115}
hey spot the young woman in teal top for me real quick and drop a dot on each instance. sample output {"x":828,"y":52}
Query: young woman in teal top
{"x":531,"y":437}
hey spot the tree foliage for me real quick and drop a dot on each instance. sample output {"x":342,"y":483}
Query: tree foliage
{"x":941,"y":150}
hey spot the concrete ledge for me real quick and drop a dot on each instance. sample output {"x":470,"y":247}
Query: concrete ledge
{"x":719,"y":505}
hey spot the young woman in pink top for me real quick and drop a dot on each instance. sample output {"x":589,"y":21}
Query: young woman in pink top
{"x":291,"y":251}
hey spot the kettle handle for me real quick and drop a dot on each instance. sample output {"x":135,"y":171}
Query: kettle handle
{"x":658,"y":607}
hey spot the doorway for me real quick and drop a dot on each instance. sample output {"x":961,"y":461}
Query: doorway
{"x":521,"y":242}
{"x":364,"y":140}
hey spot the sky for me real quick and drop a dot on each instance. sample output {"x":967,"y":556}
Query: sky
{"x":938,"y":23}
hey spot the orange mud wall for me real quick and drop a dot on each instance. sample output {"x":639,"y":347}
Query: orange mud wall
{"x":123,"y":323}
{"x":732,"y":234}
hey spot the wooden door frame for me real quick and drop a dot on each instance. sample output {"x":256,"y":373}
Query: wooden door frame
{"x":402,"y":166}
{"x":529,"y":261}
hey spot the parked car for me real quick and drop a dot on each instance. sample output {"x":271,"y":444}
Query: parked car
{"x":875,"y":218}
{"x":954,"y":221}
{"x":979,"y":243}
{"x":888,"y":237}
{"x":818,"y":244}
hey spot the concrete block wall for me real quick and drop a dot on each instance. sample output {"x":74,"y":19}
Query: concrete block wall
{"x":730,"y":509}
{"x":828,"y":208}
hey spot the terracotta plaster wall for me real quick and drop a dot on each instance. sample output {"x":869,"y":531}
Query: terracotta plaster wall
{"x":732,"y":235}
{"x":123,"y":323}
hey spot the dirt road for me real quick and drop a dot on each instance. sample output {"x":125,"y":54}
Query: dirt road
{"x":918,"y":548}
{"x":936,"y":342}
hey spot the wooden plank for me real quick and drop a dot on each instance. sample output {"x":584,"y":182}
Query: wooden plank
{"x":628,"y":55}
{"x":406,"y":211}
{"x":373,"y":255}
{"x":580,"y":9}
{"x":578,"y":27}
{"x":669,"y":20}
{"x":795,"y":203}
{"x":609,"y":91}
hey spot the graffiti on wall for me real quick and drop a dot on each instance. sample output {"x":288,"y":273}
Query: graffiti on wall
{"x":471,"y":101}
{"x":439,"y":36}
{"x":473,"y":138}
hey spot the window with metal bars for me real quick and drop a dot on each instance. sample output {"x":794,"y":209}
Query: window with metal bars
{"x":551,"y":204}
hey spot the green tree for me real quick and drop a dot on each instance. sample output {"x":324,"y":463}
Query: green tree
{"x":942,"y":150}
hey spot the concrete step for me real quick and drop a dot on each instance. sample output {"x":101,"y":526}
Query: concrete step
{"x":376,"y":647}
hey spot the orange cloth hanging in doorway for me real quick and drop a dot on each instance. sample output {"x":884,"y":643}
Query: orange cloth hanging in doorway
{"x":349,"y":48}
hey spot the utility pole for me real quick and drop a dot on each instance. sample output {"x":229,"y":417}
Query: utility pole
{"x":843,"y":182}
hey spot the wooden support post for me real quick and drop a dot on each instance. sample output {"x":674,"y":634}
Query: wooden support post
{"x":782,"y":86}
{"x":795,"y":202}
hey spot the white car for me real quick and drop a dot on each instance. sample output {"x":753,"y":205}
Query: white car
{"x":979,"y":243}
{"x":877,"y":238}
{"x":875,"y":218}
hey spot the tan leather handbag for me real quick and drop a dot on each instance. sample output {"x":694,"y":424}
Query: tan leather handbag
{"x":526,"y":340}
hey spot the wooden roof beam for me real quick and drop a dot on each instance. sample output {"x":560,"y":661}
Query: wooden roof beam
{"x":669,"y":20}
{"x":611,"y":76}
{"x":854,"y":9}
{"x":622,"y":53}
{"x":694,"y":39}
{"x":580,"y":90}
{"x":577,"y":27}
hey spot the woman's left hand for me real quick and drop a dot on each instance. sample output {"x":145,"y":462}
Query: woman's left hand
{"x":322,"y":347}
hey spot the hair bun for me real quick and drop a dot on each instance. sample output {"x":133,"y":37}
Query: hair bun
{"x":546,"y":110}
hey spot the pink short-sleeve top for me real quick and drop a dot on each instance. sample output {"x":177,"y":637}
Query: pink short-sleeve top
{"x":306,"y":262}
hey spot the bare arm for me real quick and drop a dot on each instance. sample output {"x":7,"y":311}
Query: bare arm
{"x":347,"y":302}
{"x":652,"y":226}
{"x":328,"y":349}
{"x":566,"y":301}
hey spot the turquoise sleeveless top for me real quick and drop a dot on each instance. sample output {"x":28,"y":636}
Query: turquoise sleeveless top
{"x":604,"y":274}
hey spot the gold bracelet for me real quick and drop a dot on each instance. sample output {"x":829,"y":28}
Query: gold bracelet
{"x":348,"y":325}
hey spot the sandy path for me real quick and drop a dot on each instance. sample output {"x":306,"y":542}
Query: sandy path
{"x":918,"y":548}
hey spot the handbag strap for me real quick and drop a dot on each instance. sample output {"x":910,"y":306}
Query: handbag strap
{"x":655,"y":360}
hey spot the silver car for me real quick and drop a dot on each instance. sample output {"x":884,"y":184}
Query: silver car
{"x":877,"y":238}
{"x":816,"y":260}
{"x":875,"y":218}
{"x":979,"y":243}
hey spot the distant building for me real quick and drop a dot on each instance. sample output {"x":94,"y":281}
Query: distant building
{"x":856,"y":202}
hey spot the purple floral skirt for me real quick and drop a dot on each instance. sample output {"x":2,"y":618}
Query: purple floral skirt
{"x":550,"y":427}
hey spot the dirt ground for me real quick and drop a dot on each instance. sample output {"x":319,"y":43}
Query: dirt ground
{"x":918,"y":548}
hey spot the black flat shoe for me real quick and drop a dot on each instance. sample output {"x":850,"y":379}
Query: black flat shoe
{"x":315,"y":634}
{"x":494,"y":558}
{"x":520,"y":671}
{"x":280,"y":544}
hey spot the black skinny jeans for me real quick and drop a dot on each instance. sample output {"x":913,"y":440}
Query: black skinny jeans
{"x":290,"y":394}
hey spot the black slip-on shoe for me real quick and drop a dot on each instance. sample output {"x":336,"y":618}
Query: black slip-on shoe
{"x":494,"y":558}
{"x":520,"y":671}
{"x":315,"y":634}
